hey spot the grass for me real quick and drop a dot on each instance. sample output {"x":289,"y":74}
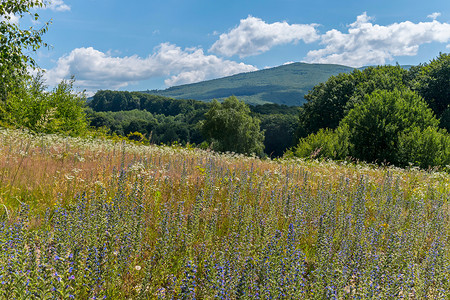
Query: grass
{"x":91,"y":219}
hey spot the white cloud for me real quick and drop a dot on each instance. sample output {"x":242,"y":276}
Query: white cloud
{"x":434,"y":15}
{"x":56,"y":5}
{"x":11,"y":18}
{"x":254,"y":36}
{"x":366,"y":43}
{"x":95,"y":70}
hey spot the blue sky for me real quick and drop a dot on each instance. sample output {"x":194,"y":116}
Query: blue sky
{"x":140,"y":45}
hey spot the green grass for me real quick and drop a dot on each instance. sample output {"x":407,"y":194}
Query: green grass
{"x":93,"y":218}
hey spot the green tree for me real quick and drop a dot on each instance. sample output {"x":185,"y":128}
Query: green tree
{"x":279,"y":131}
{"x":229,"y":127}
{"x":376,"y":123}
{"x":432,"y":82}
{"x":329,"y":102}
{"x":326,"y":103}
{"x":16,"y":43}
{"x":58,"y":111}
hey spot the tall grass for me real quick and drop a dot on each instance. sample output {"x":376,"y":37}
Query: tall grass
{"x":91,"y":219}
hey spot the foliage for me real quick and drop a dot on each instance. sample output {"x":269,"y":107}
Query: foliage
{"x":16,"y":44}
{"x":432,"y":82}
{"x":126,"y":221}
{"x":231,"y":128}
{"x":425,"y":148}
{"x":326,"y":143}
{"x":156,"y":128}
{"x":328,"y":103}
{"x":137,"y":137}
{"x":376,"y":123}
{"x":444,"y":120}
{"x":274,"y":109}
{"x":165,"y":120}
{"x":124,"y":101}
{"x":58,"y":111}
{"x":279,"y":131}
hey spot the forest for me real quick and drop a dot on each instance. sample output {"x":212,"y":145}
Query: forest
{"x":166,"y":120}
{"x":382,"y":114}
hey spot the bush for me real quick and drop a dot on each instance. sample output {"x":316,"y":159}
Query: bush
{"x":425,"y":148}
{"x":326,"y":143}
{"x":58,"y":111}
{"x":376,"y":123}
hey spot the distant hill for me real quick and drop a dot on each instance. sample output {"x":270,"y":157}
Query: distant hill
{"x":285,"y":84}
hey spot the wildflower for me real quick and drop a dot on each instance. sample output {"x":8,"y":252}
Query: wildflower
{"x":137,"y":268}
{"x":72,"y":277}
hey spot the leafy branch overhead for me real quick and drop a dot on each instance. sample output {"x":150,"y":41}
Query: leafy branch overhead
{"x":17,"y":43}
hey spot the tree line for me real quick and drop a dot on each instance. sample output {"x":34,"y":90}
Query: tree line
{"x":384,"y":114}
{"x":166,"y":120}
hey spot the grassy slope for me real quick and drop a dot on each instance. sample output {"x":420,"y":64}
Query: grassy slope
{"x":282,"y":85}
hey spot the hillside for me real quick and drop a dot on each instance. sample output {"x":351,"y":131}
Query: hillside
{"x":285,"y":84}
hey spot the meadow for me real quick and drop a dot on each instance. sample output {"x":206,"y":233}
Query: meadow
{"x":90,"y":218}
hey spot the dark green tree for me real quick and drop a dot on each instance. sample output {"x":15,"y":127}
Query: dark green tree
{"x":376,"y":123}
{"x":229,"y":127}
{"x":432,"y":82}
{"x":279,"y":131}
{"x":329,"y":102}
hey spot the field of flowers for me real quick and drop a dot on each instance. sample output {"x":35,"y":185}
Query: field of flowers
{"x":98,"y":219}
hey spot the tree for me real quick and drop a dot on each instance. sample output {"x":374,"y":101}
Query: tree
{"x":229,"y":127}
{"x":329,"y":102}
{"x":58,"y":111}
{"x":326,"y":103}
{"x":432,"y":82}
{"x":16,"y":43}
{"x":376,"y":123}
{"x":279,"y":130}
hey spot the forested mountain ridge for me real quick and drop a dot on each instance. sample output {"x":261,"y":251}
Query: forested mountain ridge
{"x":285,"y":84}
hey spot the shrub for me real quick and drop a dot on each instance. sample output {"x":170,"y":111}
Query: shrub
{"x":58,"y":111}
{"x":326,"y":143}
{"x":376,"y":123}
{"x":425,"y":148}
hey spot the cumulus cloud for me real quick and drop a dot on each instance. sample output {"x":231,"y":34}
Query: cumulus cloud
{"x":434,"y":15}
{"x":56,"y":5}
{"x":254,"y":36}
{"x":366,"y":43}
{"x":95,"y":70}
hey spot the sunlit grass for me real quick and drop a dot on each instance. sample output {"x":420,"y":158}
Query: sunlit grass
{"x":123,"y":220}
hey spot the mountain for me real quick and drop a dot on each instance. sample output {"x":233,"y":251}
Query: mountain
{"x":285,"y":84}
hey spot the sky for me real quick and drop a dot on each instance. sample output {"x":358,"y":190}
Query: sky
{"x":154,"y":44}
